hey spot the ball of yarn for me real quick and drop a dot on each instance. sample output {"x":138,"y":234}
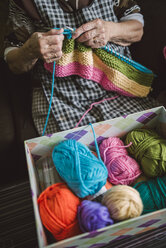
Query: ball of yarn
{"x":123,"y":202}
{"x":99,"y":195}
{"x":153,"y":194}
{"x":149,"y":149}
{"x":122,"y":169}
{"x":93,"y":215}
{"x":80,"y":169}
{"x":58,"y":211}
{"x":141,"y":178}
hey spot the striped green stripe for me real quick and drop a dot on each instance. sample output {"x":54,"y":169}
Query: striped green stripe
{"x":128,"y":70}
{"x":70,"y":45}
{"x":110,"y":60}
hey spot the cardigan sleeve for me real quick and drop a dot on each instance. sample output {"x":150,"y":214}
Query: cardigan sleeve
{"x":19,"y":26}
{"x":128,"y":10}
{"x":125,"y":7}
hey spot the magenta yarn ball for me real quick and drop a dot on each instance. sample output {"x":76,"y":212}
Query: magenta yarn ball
{"x":122,"y":169}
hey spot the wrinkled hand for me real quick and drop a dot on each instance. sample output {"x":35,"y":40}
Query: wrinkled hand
{"x":95,"y":33}
{"x":46,"y":46}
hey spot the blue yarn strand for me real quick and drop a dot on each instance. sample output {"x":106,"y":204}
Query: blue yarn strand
{"x":96,"y":145}
{"x":127,"y":60}
{"x":68,"y":32}
{"x":52,"y":91}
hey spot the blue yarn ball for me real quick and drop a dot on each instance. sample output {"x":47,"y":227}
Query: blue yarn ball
{"x":83,"y":172}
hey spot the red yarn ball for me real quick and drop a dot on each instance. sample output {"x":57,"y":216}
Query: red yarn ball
{"x":58,"y":211}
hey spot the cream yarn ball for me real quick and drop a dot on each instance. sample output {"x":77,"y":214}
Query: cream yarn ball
{"x":123,"y":202}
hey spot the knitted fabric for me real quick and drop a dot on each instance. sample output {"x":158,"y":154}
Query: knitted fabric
{"x":100,"y":66}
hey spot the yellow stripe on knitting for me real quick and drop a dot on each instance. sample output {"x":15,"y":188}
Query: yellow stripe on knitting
{"x":117,"y":78}
{"x":120,"y":80}
{"x":84,"y":58}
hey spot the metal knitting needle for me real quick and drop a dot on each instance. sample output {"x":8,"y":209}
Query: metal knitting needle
{"x":71,"y":29}
{"x":66,"y":27}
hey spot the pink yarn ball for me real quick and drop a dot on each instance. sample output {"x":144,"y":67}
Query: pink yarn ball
{"x":122,"y":169}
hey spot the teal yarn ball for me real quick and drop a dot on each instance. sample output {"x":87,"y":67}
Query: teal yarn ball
{"x":153,"y":194}
{"x":149,"y":149}
{"x":83,"y":172}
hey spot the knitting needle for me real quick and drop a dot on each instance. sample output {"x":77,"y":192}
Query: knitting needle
{"x":71,"y":29}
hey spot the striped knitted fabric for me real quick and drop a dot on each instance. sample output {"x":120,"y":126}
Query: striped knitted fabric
{"x":100,"y":66}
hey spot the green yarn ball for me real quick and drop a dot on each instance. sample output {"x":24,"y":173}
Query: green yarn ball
{"x":149,"y":149}
{"x":153,"y":194}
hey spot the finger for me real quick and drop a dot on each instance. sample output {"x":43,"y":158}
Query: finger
{"x":84,"y":28}
{"x":99,"y":42}
{"x":54,"y":48}
{"x":49,"y":33}
{"x":96,"y":42}
{"x":46,"y":49}
{"x":53,"y":58}
{"x":52,"y":55}
{"x":52,"y":40}
{"x":53,"y":32}
{"x":91,"y":44}
{"x":50,"y":60}
{"x":88,"y":35}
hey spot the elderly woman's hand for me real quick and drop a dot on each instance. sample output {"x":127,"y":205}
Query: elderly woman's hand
{"x":98,"y":32}
{"x":46,"y":46}
{"x":95,"y":33}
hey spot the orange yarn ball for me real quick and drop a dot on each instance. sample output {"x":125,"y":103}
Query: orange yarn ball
{"x":58,"y":211}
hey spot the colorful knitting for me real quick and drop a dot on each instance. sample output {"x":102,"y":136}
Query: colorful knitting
{"x":98,"y":65}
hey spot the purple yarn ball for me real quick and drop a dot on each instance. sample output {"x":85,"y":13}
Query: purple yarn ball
{"x":93,"y":215}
